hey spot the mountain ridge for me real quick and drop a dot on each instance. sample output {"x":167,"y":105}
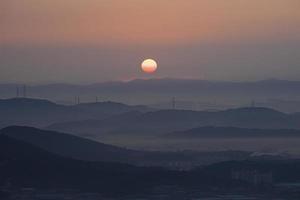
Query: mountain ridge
{"x":42,"y":112}
{"x":163,"y":121}
{"x":152,"y":91}
{"x":233,"y":132}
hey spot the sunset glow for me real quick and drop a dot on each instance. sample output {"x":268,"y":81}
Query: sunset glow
{"x":146,"y":22}
{"x":102,"y":40}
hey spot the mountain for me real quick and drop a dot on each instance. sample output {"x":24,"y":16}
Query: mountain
{"x":232,"y":132}
{"x":164,"y":121}
{"x":84,"y":149}
{"x":25,"y":166}
{"x":151,"y":91}
{"x":35,"y":112}
{"x":110,"y":108}
{"x":39,"y":112}
{"x":133,"y":123}
{"x":70,"y":146}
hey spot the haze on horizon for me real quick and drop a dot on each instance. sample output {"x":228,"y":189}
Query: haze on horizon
{"x":84,"y":41}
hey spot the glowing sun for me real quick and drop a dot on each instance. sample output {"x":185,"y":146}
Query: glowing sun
{"x":149,"y":66}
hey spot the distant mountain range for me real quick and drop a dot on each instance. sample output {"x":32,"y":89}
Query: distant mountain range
{"x":164,"y":121}
{"x":40,"y":112}
{"x":233,"y":132}
{"x":282,"y":95}
{"x":54,"y":156}
{"x":111,"y":118}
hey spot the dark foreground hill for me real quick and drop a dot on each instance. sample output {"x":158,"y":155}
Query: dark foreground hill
{"x":69,"y":145}
{"x":84,"y":149}
{"x":24,"y":165}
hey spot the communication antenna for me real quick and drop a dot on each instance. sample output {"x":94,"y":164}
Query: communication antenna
{"x":77,"y":100}
{"x":173,"y":103}
{"x":252,"y":103}
{"x":24,"y":91}
{"x":17,"y":91}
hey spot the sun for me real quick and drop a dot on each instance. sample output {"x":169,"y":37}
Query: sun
{"x":149,"y":66}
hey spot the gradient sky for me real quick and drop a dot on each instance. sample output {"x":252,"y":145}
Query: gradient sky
{"x":83,"y":41}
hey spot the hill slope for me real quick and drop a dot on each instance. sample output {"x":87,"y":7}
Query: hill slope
{"x":84,"y":149}
{"x":24,"y":165}
{"x":225,"y":132}
{"x":164,"y":121}
{"x":39,"y":112}
{"x":69,"y":145}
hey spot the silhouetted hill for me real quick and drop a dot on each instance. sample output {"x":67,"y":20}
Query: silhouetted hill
{"x":84,"y":149}
{"x":109,"y":107}
{"x":225,"y":132}
{"x":24,"y":165}
{"x":15,"y":149}
{"x":39,"y":112}
{"x":69,"y":145}
{"x":27,"y":166}
{"x":164,"y":121}
{"x":35,"y":112}
{"x":133,"y":123}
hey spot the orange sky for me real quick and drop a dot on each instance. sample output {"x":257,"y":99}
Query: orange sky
{"x":92,"y":22}
{"x":98,"y":40}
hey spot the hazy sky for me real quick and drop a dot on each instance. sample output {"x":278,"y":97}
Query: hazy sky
{"x":98,"y":40}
